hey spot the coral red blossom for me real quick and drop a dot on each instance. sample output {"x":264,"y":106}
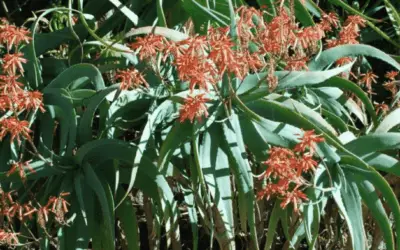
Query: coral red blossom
{"x":194,"y":107}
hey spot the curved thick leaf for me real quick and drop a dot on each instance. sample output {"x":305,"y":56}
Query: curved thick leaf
{"x":62,"y":108}
{"x":330,"y":56}
{"x":391,"y":120}
{"x":85,"y":125}
{"x":77,"y":72}
{"x":105,"y":232}
{"x":374,"y":142}
{"x":349,"y":202}
{"x":380,"y":184}
{"x":214,"y":164}
{"x":374,"y":204}
{"x":126,"y":213}
{"x":291,"y":79}
{"x":162,"y":31}
{"x":287,"y":110}
{"x":236,"y":151}
{"x":355,"y":89}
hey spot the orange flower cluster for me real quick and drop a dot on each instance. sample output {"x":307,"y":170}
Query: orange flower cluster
{"x":349,"y":33}
{"x":20,"y":167}
{"x":130,"y":78}
{"x":368,"y":79}
{"x":12,"y":209}
{"x":7,"y":238}
{"x":194,"y":106}
{"x":203,"y":60}
{"x":391,"y":84}
{"x":13,"y":36}
{"x":285,"y":168}
{"x":13,"y":96}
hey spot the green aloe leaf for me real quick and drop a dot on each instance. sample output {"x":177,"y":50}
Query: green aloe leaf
{"x":374,"y":204}
{"x":236,"y":151}
{"x":380,"y":184}
{"x":302,"y":13}
{"x":126,"y":11}
{"x":61,"y":107}
{"x":75,"y":73}
{"x":390,"y":121}
{"x":276,"y":213}
{"x":330,"y":56}
{"x":354,"y":88}
{"x":126,"y":213}
{"x":394,"y":16}
{"x":349,"y":202}
{"x":85,"y":125}
{"x":214,"y":163}
{"x":374,"y":142}
{"x":103,"y":237}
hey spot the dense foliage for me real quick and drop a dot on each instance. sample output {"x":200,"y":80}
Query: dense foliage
{"x":200,"y":124}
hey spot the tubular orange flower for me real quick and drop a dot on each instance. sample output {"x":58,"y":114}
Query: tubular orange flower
{"x":309,"y":36}
{"x":194,"y":107}
{"x":252,"y":61}
{"x":392,"y":75}
{"x":294,"y":64}
{"x":13,"y":36}
{"x":196,"y":71}
{"x":148,"y":46}
{"x":295,"y":197}
{"x":271,"y":189}
{"x":224,"y":57}
{"x":6,"y":103}
{"x":30,"y":100}
{"x":130,"y":78}
{"x":15,"y":128}
{"x":381,"y":107}
{"x":12,"y":62}
{"x":195,"y":46}
{"x":368,"y":78}
{"x":343,"y":61}
{"x":20,"y":167}
{"x":8,"y":238}
{"x":354,"y":23}
{"x":329,"y":20}
{"x":280,"y":164}
{"x":308,"y":141}
{"x":305,"y":164}
{"x":10,"y":84}
{"x":392,"y":87}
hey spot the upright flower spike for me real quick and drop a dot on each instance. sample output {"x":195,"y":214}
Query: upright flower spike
{"x":130,"y":78}
{"x":194,"y":107}
{"x":13,"y":62}
{"x":15,"y":128}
